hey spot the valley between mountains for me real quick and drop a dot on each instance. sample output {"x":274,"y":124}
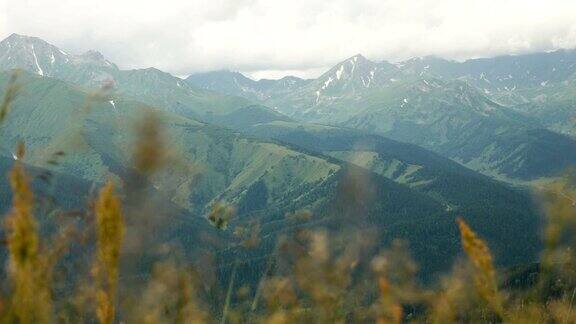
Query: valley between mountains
{"x":421,"y":142}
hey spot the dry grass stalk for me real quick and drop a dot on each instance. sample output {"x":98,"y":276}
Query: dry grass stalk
{"x":457,"y":300}
{"x":149,"y":155}
{"x":226,"y":310}
{"x":31,"y":297}
{"x":326,"y":280}
{"x":109,"y":236}
{"x":281,"y":300}
{"x":391,"y":311}
{"x":395,"y":272}
{"x":12,"y":90}
{"x":169,"y":297}
{"x":485,"y":274}
{"x":559,"y":203}
{"x":220,"y":215}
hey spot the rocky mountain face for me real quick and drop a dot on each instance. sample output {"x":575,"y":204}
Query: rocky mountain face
{"x":37,"y":56}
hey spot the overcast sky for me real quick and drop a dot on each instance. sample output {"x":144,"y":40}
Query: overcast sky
{"x":272,"y":38}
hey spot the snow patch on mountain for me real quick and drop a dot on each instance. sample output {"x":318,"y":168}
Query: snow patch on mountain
{"x":404,"y":102}
{"x":339,"y":72}
{"x":39,"y":69}
{"x":353,"y":61}
{"x":327,"y":83}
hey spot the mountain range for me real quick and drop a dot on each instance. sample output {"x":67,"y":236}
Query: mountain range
{"x":510,"y":123}
{"x":425,"y":141}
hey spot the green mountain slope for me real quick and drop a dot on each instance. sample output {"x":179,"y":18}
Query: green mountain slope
{"x":91,"y":71}
{"x":453,"y":119}
{"x":50,"y":116}
{"x":236,"y":84}
{"x":502,"y":74}
{"x":540,"y":84}
{"x":448,"y":182}
{"x":264,"y":179}
{"x":440,"y":105}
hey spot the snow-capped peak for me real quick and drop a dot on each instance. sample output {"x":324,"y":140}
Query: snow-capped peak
{"x":29,"y":53}
{"x":358,"y":58}
{"x":351,"y":75}
{"x":42,"y":58}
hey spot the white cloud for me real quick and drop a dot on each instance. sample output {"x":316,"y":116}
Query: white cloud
{"x":272,"y":37}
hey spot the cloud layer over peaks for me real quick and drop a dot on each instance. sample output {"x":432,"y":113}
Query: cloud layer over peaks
{"x":270,"y":37}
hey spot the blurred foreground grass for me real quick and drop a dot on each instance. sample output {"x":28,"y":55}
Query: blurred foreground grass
{"x":318,"y":278}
